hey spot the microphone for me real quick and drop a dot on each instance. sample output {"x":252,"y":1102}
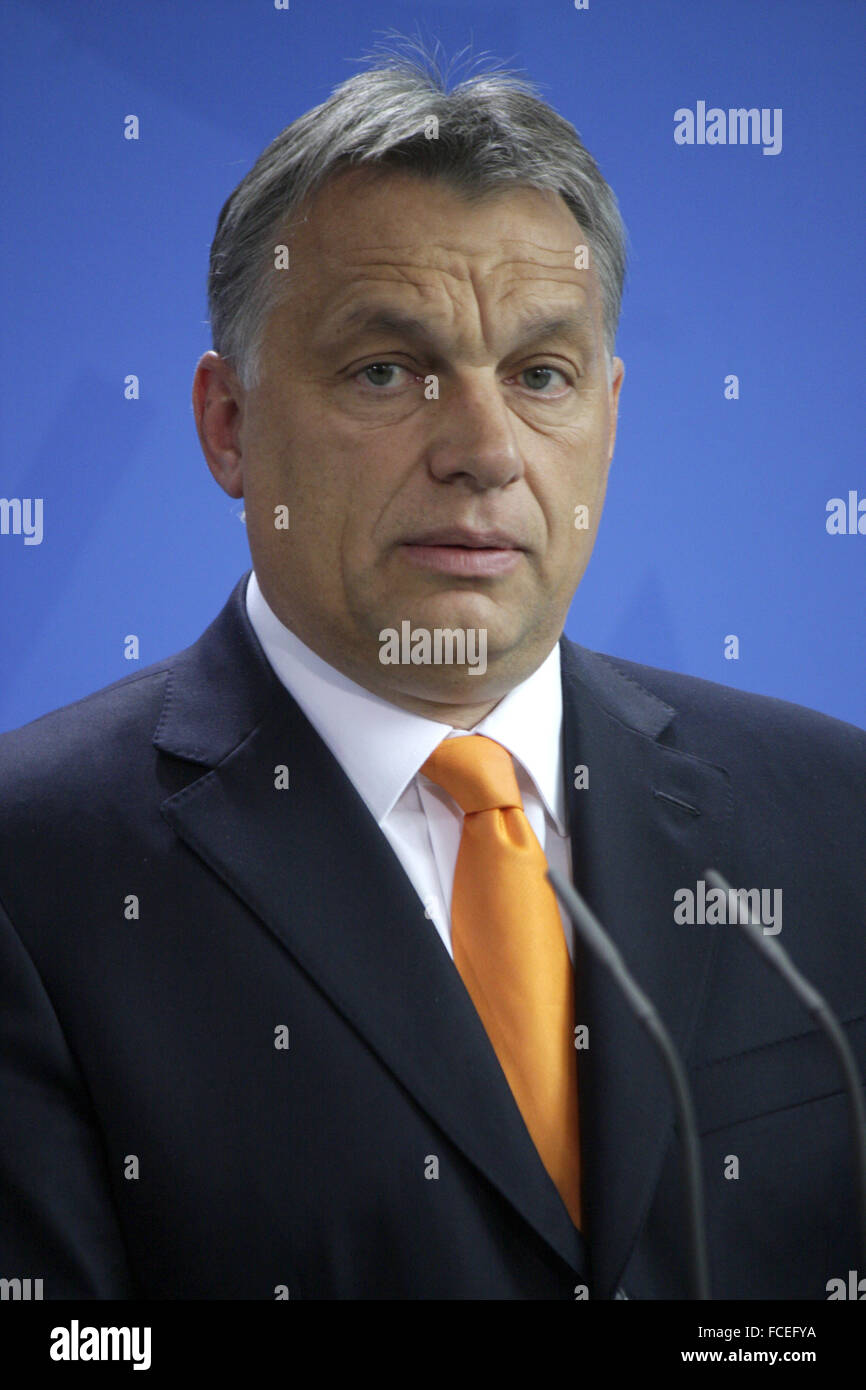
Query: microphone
{"x":777,"y":957}
{"x":598,"y":941}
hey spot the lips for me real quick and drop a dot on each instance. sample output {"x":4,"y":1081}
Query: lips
{"x":463,"y":553}
{"x":467,"y":539}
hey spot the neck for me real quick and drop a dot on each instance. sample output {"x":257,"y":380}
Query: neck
{"x":456,"y":716}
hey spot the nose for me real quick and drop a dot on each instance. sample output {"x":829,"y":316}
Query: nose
{"x":473,"y":436}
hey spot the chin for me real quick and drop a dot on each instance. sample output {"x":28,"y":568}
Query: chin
{"x":503,"y":618}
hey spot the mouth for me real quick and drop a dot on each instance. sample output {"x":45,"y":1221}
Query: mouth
{"x":463,"y":552}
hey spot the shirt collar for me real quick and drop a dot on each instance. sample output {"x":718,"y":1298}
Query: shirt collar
{"x":381,"y":747}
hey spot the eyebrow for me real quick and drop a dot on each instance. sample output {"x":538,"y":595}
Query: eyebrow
{"x":534,"y":328}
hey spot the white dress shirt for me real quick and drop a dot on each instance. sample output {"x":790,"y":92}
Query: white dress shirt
{"x":382,"y":747}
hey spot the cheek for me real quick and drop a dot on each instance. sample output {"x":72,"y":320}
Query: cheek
{"x":302,"y":473}
{"x":572,"y":514}
{"x":568,"y":487}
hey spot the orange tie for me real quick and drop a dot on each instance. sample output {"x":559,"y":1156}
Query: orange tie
{"x":510,"y":949}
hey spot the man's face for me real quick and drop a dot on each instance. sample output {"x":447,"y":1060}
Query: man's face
{"x":451,"y":502}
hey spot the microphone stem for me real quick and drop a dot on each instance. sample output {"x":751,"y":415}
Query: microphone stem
{"x":778,"y":958}
{"x":598,"y":941}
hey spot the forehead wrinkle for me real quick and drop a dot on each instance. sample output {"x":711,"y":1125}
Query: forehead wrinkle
{"x":447,"y":285}
{"x":345,"y":312}
{"x":428,"y":288}
{"x":449,"y":266}
{"x":434,"y":256}
{"x":429,"y":281}
{"x":536,"y":315}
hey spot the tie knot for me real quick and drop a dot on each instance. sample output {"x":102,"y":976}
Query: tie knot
{"x":476,"y":771}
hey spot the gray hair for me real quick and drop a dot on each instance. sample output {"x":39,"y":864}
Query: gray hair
{"x":493,"y":131}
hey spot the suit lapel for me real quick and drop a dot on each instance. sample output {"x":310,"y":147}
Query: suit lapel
{"x":315,"y":868}
{"x":650,"y":821}
{"x":313,"y":865}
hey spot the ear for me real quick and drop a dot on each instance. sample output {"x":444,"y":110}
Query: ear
{"x":218,"y":400}
{"x":617,"y":378}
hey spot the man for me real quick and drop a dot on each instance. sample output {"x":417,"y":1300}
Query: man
{"x":289,"y":1008}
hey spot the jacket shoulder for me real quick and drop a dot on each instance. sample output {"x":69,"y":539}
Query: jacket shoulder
{"x":722,"y":718}
{"x":81,"y":744}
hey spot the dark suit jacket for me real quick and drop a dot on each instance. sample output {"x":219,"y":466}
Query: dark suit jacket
{"x":152,"y":1037}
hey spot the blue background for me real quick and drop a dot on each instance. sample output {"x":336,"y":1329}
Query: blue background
{"x":740,"y":262}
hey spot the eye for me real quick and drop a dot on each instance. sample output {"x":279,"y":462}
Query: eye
{"x":381,"y":374}
{"x":538,"y":378}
